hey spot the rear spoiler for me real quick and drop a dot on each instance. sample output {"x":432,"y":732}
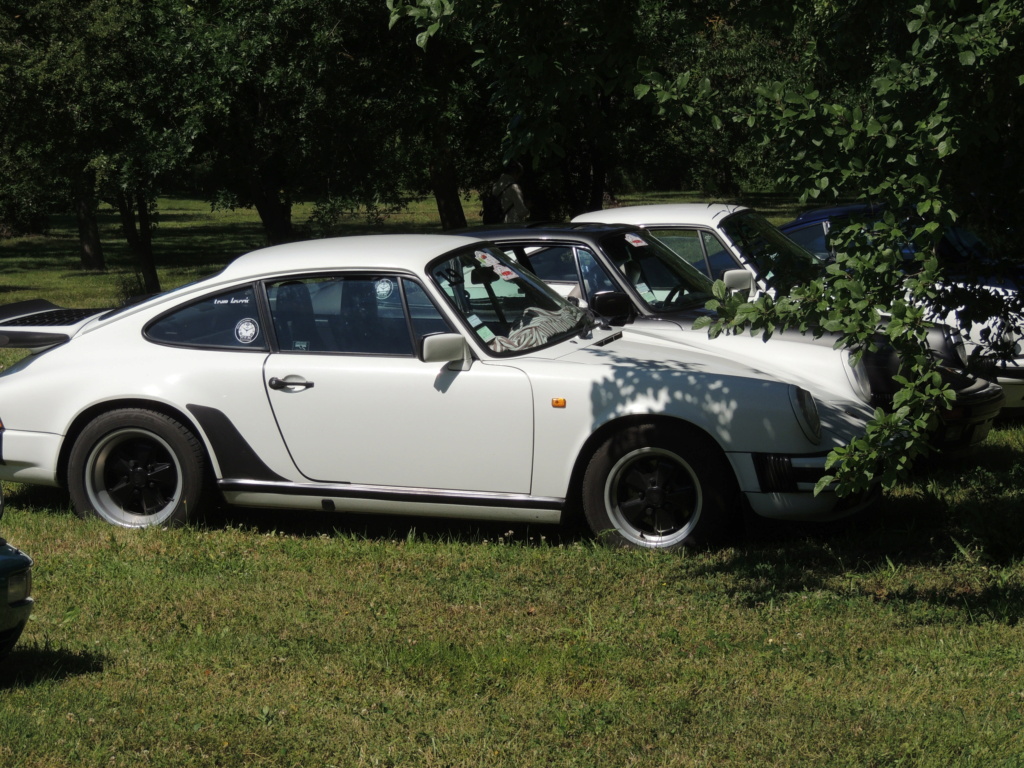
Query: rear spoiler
{"x":24,"y":324}
{"x":31,"y":339}
{"x":18,"y":308}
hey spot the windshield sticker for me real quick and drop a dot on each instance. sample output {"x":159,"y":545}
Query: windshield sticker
{"x":642,"y":288}
{"x":232,"y":300}
{"x":384,"y":288}
{"x":504,"y":272}
{"x":635,"y":240}
{"x":486,"y":259}
{"x":474,"y":321}
{"x":485,"y":333}
{"x":247,"y":331}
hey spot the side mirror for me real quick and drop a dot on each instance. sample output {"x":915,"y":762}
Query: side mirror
{"x":615,"y":305}
{"x":447,"y":348}
{"x":738,"y":280}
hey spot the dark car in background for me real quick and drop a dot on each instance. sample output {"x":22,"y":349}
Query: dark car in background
{"x":967,"y":263}
{"x":15,"y":592}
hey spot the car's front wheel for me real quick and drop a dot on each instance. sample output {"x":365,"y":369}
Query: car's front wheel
{"x":136,"y":468}
{"x":659,"y":488}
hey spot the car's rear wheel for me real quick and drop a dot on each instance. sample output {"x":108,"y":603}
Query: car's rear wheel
{"x":136,"y":468}
{"x":656,"y":487}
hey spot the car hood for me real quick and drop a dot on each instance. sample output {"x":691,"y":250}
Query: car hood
{"x":795,"y":358}
{"x":38,"y":324}
{"x":669,"y":350}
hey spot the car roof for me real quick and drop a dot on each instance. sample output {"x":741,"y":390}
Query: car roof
{"x":816,"y":215}
{"x":547,"y":231}
{"x":399,"y":252}
{"x":699,"y":214}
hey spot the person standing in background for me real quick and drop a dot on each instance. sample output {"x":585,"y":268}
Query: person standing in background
{"x":508,"y":191}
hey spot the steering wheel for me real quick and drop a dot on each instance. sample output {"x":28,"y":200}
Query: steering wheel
{"x":672,"y":294}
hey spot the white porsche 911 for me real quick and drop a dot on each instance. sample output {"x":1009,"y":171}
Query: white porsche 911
{"x":403,"y":374}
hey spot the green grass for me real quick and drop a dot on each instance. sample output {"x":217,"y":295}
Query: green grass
{"x":264,"y":638}
{"x":285,"y":639}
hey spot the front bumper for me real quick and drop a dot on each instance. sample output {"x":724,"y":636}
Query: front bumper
{"x":824,"y":507}
{"x":1011,"y":378}
{"x":781,"y":487}
{"x":968,"y":422}
{"x":13,"y":615}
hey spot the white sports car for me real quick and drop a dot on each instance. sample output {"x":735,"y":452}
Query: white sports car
{"x":406,"y":374}
{"x":737,"y":245}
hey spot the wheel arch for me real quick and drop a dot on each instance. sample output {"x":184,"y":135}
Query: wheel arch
{"x":89,"y":414}
{"x":573,"y":505}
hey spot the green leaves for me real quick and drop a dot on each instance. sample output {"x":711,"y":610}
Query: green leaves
{"x":893,"y":138}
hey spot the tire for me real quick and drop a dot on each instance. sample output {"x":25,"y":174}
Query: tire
{"x":136,"y":468}
{"x":652,"y":487}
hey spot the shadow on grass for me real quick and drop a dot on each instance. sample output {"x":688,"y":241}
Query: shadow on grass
{"x":15,"y":288}
{"x":948,"y":551}
{"x":52,"y":501}
{"x":390,"y":527}
{"x":27,"y":666}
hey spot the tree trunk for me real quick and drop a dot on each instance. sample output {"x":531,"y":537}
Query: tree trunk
{"x":147,"y":261}
{"x":598,"y":178}
{"x":275,"y":212}
{"x":445,"y":183}
{"x":88,"y":227}
{"x":139,"y":237}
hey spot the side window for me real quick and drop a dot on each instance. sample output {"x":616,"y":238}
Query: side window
{"x":685,"y":242}
{"x":423,"y":314}
{"x":720,"y":260}
{"x":228,"y":320}
{"x":554,"y":265}
{"x":302,"y":311}
{"x":595,"y":276}
{"x":813,"y":238}
{"x":356,"y":315}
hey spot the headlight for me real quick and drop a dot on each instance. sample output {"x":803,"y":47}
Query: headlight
{"x":19,"y":586}
{"x":806,"y":410}
{"x":858,"y":375}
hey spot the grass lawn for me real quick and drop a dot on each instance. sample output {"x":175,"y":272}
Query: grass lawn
{"x":264,"y":638}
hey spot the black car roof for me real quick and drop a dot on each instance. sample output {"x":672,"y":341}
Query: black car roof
{"x":545,"y":231}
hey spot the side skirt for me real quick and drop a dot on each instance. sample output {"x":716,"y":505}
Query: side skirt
{"x":385,"y":500}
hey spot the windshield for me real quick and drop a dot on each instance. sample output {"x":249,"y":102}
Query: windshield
{"x":663,"y":279}
{"x":509,"y":309}
{"x":779,"y":261}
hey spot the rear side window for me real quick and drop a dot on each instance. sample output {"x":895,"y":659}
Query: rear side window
{"x":229,"y":320}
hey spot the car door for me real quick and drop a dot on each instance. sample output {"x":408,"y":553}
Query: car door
{"x":355,"y":403}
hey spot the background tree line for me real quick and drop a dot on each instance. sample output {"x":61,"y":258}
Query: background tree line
{"x":263,"y":102}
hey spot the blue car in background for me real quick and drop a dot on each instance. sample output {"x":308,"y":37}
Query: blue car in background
{"x":967,"y":263}
{"x":15,"y":592}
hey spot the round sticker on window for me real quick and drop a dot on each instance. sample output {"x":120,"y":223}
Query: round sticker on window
{"x":384,"y":289}
{"x":247,"y":331}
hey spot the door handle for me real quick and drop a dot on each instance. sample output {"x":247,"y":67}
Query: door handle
{"x":276,"y":383}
